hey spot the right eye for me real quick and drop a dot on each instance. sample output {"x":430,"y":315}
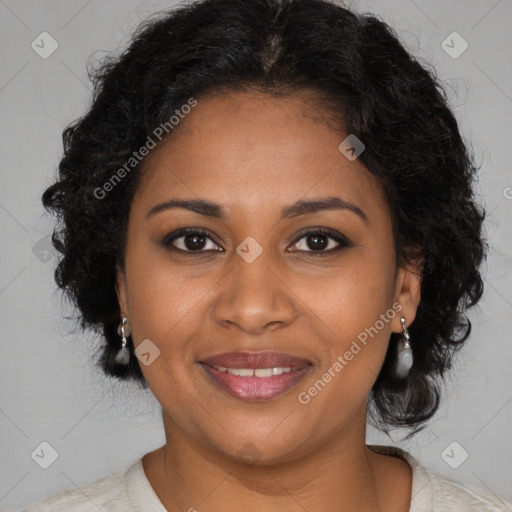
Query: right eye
{"x":191,"y":240}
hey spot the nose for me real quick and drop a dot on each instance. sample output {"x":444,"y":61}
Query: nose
{"x":254,"y":297}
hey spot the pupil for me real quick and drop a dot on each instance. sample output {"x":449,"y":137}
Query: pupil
{"x":194,"y":244}
{"x":319,"y":242}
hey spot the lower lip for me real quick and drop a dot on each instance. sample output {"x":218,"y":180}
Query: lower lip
{"x":256,"y":388}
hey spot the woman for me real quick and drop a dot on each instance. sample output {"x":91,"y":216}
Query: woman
{"x":268,"y":210}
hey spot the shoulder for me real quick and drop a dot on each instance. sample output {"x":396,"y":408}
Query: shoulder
{"x":108,"y":494}
{"x":433,"y":491}
{"x":450,"y":495}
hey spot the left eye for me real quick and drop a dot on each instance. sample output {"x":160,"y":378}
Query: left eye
{"x":321,"y":242}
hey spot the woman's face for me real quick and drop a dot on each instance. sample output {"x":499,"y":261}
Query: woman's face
{"x":259,"y":287}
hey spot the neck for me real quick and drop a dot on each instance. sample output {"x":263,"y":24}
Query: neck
{"x":343,"y":474}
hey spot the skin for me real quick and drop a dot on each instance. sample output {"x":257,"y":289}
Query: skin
{"x":255,"y":154}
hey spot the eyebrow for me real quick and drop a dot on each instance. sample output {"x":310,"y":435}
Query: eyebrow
{"x":300,"y":207}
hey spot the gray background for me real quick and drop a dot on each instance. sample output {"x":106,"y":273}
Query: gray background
{"x":50,"y":389}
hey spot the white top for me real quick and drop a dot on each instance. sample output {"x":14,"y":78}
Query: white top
{"x":130,"y":491}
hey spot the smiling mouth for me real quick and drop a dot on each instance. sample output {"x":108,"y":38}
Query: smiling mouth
{"x":254,"y":372}
{"x":255,"y":376}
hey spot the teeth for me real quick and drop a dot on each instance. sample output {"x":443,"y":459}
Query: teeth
{"x":264,"y":372}
{"x":242,"y":372}
{"x":254,"y":372}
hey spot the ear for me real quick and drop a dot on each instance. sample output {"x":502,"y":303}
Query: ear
{"x":407,"y":293}
{"x":121,"y":290}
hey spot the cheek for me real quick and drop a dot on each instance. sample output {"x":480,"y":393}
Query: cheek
{"x":164,"y":305}
{"x":350,"y":297}
{"x":354,"y":308}
{"x":163,"y":295}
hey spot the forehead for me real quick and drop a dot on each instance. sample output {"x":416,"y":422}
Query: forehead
{"x":250,"y":151}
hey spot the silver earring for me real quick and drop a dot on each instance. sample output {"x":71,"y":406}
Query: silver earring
{"x":404,"y":359}
{"x":123,"y":355}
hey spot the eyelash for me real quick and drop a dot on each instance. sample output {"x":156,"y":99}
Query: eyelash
{"x":337,"y":237}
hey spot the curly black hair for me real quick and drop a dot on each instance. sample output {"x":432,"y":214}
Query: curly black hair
{"x":368,"y":83}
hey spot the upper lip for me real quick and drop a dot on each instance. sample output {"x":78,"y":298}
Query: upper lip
{"x":266,"y":359}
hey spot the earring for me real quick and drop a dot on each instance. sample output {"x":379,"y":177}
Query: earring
{"x":123,"y":355}
{"x":404,"y":359}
